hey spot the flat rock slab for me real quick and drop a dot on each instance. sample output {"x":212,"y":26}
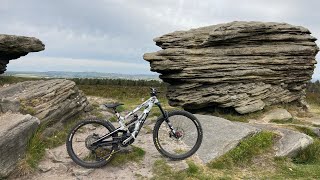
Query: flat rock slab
{"x":290,"y":143}
{"x":277,"y":114}
{"x":220,"y":136}
{"x":15,"y":131}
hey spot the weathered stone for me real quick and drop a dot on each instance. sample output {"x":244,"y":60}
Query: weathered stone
{"x":242,"y":65}
{"x":290,"y":142}
{"x":13,"y":47}
{"x":178,"y":165}
{"x":82,"y":172}
{"x":277,"y":114}
{"x":220,"y":136}
{"x":53,"y":101}
{"x":44,"y":168}
{"x":15,"y":131}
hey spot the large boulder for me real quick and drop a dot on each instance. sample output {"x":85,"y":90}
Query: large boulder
{"x":15,"y":132}
{"x":13,"y":47}
{"x":52,"y":101}
{"x":242,"y":65}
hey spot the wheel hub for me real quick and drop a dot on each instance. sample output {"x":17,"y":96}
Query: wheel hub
{"x":90,"y":140}
{"x":179,"y":134}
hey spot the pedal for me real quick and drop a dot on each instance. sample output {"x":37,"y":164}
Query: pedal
{"x":127,"y":140}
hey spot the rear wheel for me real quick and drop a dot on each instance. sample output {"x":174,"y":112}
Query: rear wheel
{"x":186,"y":140}
{"x":80,"y":143}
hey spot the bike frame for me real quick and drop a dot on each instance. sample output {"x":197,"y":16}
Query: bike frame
{"x":139,"y":121}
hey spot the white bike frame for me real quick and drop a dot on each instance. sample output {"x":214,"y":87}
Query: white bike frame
{"x":148,"y":104}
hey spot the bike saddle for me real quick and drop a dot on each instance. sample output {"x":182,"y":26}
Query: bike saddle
{"x":113,"y":105}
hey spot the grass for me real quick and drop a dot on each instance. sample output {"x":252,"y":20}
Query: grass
{"x":313,"y":98}
{"x":239,"y":163}
{"x":289,"y":121}
{"x":306,"y":131}
{"x":162,"y":171}
{"x":225,"y":167}
{"x":306,"y":165}
{"x":136,"y":155}
{"x":249,"y":162}
{"x":245,"y":151}
{"x":37,"y":144}
{"x":310,"y":155}
{"x":121,"y":93}
{"x":12,"y":79}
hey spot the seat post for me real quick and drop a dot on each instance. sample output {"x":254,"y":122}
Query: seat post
{"x":116,"y":112}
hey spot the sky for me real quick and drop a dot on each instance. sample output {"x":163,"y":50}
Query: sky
{"x":112,"y":35}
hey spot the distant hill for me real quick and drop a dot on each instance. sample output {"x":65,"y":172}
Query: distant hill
{"x":95,"y":75}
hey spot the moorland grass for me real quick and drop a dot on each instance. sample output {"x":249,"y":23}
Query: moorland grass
{"x":245,"y":151}
{"x":136,"y":155}
{"x":305,"y":166}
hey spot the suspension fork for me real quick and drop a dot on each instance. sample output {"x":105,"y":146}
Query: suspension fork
{"x":166,"y":118}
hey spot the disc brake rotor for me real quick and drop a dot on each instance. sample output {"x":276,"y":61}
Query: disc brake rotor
{"x":179,"y":134}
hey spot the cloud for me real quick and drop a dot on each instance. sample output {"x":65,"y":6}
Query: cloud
{"x":123,"y":30}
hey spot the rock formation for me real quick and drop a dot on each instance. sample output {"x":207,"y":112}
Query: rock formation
{"x":13,"y":47}
{"x":53,"y":101}
{"x":15,"y":131}
{"x":242,"y":65}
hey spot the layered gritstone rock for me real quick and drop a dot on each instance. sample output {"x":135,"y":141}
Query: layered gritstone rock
{"x":13,"y":47}
{"x":242,"y":65}
{"x":54,"y":102}
{"x":15,"y":132}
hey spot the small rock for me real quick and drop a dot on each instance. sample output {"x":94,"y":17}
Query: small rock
{"x":178,"y":165}
{"x":82,"y":172}
{"x":62,"y":168}
{"x":277,"y":114}
{"x":54,"y":156}
{"x":44,"y":168}
{"x":256,"y":106}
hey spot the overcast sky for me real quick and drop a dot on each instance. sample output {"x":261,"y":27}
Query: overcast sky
{"x":112,"y":35}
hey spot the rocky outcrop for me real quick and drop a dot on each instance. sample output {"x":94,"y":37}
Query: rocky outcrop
{"x":53,"y":101}
{"x":13,"y":47}
{"x":242,"y":65}
{"x":15,"y":131}
{"x":289,"y":143}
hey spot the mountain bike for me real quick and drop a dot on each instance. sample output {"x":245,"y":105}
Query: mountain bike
{"x":176,"y":134}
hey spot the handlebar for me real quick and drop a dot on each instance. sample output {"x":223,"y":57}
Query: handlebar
{"x":154,"y":91}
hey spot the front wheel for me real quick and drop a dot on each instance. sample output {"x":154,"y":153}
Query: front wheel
{"x":186,"y":140}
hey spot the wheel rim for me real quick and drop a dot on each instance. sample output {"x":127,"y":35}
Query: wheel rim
{"x":185,"y":139}
{"x":81,"y":143}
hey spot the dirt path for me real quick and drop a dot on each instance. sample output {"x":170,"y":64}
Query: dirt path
{"x":57,"y":164}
